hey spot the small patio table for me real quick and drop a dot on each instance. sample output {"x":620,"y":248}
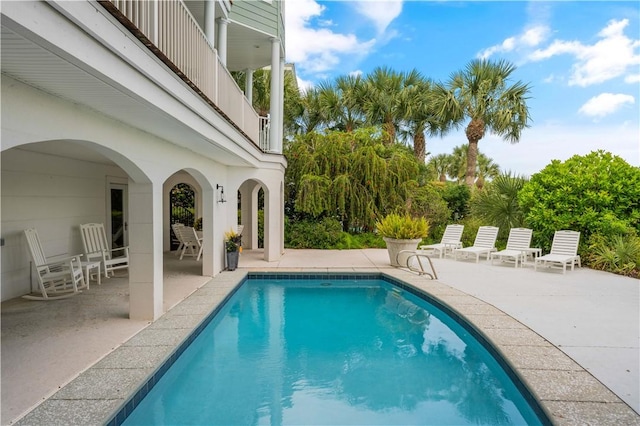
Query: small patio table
{"x":88,"y":266}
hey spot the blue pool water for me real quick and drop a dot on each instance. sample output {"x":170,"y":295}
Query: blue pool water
{"x":332,"y":352}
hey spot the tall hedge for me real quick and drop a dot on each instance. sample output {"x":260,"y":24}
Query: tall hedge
{"x":598,"y":193}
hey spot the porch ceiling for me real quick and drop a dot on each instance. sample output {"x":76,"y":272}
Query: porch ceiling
{"x":30,"y":63}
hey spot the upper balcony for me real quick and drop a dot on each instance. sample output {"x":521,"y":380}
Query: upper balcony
{"x":173,"y":31}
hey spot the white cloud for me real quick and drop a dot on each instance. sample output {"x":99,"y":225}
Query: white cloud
{"x":530,"y":38}
{"x":315,"y":50}
{"x":381,"y":13}
{"x":632,"y":78}
{"x":605,"y":104}
{"x":304,"y":85}
{"x":610,"y":57}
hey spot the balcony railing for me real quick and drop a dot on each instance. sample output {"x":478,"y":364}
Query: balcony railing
{"x":265,"y":127}
{"x":170,"y":31}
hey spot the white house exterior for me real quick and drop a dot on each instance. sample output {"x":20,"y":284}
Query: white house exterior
{"x":122,"y":100}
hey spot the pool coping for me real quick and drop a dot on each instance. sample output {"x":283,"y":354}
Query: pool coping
{"x":566,"y":392}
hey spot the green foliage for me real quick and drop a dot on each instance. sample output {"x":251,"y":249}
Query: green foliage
{"x":471,"y":226}
{"x":323,"y":234}
{"x":402,"y":227}
{"x":426,"y":201}
{"x":360,"y":241}
{"x":598,"y":193}
{"x":498,"y":203}
{"x":353,"y":177}
{"x":619,"y":254}
{"x":261,"y":228}
{"x":457,"y":198}
{"x":232,"y":240}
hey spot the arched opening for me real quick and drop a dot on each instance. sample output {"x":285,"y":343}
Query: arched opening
{"x":182,"y":210}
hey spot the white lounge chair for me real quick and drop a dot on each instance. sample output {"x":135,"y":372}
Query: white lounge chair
{"x":517,"y":245}
{"x":96,"y":247}
{"x":450,"y":240}
{"x":58,"y":279}
{"x":190,"y":241}
{"x":564,"y":251}
{"x":485,"y":243}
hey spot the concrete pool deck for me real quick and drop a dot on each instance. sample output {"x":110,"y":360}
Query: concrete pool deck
{"x":561,"y":332}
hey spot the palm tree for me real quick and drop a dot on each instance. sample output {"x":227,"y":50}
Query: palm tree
{"x":306,"y":114}
{"x":486,"y":168}
{"x":458,"y":163}
{"x":498,"y":203}
{"x":340,"y":102}
{"x":382,"y":98}
{"x":439,"y":166}
{"x":419,"y":106}
{"x":482,"y":94}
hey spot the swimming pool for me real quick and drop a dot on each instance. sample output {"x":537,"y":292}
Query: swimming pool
{"x":290,"y":349}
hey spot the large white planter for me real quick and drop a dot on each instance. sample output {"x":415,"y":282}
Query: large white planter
{"x":396,"y":246}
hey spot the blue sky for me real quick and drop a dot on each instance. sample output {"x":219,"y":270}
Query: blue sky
{"x":581,"y":59}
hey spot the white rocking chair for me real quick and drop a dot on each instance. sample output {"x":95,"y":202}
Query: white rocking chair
{"x":94,"y":240}
{"x":58,"y":279}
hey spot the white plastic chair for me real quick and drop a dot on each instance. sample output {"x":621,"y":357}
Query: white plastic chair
{"x":190,"y":241}
{"x":174,"y":228}
{"x":564,"y":251}
{"x":485,"y":243}
{"x":58,"y":279}
{"x":450,"y":241}
{"x":518,"y":242}
{"x":96,"y":246}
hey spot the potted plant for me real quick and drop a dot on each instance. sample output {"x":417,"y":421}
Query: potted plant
{"x":401,"y":232}
{"x":232,"y":245}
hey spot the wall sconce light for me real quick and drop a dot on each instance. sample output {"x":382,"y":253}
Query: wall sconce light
{"x":220,"y":190}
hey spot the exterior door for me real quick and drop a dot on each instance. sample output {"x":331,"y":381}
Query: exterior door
{"x":118,"y":208}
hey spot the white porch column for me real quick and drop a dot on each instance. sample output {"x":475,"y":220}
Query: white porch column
{"x":248,"y":85}
{"x":276,"y":94}
{"x":208,"y":262}
{"x":209,"y":21}
{"x":281,"y":107}
{"x":222,"y":40}
{"x":272,"y":230}
{"x":145,"y":251}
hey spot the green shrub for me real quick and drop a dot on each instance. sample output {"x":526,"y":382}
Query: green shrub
{"x":402,"y":227}
{"x":426,"y":201}
{"x":360,"y":241}
{"x":457,"y":198}
{"x":471,"y":226}
{"x":619,"y":254}
{"x":324,"y":234}
{"x":598,"y":193}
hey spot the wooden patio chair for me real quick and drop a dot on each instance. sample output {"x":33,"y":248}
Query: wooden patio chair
{"x":57,"y":279}
{"x":96,"y":247}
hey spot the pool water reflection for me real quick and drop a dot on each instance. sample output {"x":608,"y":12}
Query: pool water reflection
{"x":351,"y":352}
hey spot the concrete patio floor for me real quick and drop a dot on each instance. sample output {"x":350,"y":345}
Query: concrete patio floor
{"x":593,"y":317}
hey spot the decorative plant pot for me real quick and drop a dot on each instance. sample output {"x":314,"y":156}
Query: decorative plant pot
{"x":232,"y":260}
{"x":396,"y":246}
